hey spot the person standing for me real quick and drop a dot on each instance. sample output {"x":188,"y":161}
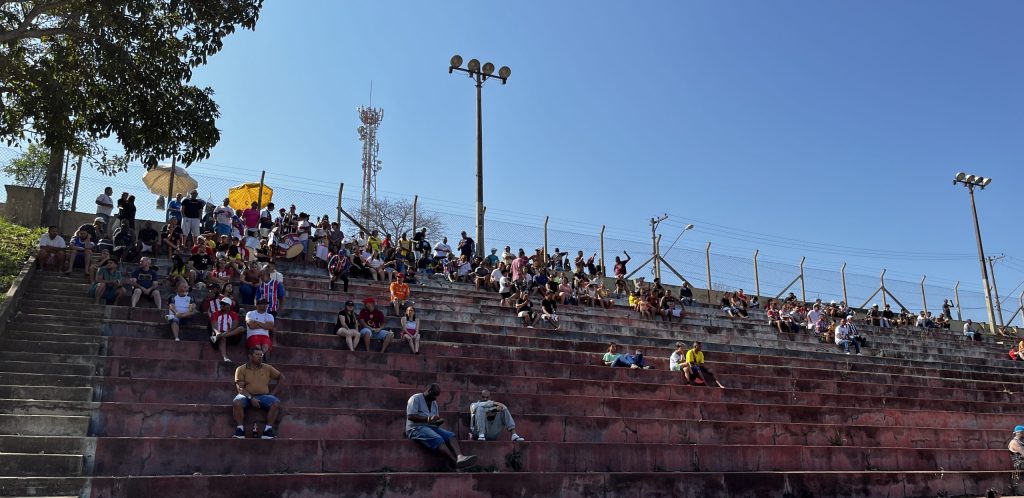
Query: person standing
{"x":423,"y":424}
{"x":105,"y":205}
{"x":466,"y":246}
{"x":488,"y":418}
{"x":191,"y":214}
{"x":252,"y":381}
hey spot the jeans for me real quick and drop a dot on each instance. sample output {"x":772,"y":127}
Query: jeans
{"x":846,"y":343}
{"x":247,"y":293}
{"x":491,"y":429}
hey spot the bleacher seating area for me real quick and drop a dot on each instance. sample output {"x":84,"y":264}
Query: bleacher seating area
{"x":99,"y":401}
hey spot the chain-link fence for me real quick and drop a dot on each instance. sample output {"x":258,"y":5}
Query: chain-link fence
{"x":320,"y":197}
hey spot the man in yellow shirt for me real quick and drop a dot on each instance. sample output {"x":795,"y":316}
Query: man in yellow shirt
{"x":695,"y":366}
{"x":399,"y":293}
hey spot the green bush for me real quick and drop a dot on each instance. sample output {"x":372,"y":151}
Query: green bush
{"x":17,"y":243}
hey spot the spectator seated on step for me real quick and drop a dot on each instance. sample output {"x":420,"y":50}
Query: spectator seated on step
{"x":149,"y":239}
{"x":145,"y":280}
{"x":410,"y":329}
{"x":253,"y":382}
{"x":924,"y":321}
{"x":80,"y":252}
{"x":338,"y":266}
{"x":969,"y":329}
{"x":423,"y":424}
{"x":399,"y":293}
{"x":845,"y":337}
{"x":524,"y":309}
{"x":482,"y":274}
{"x":775,"y":318}
{"x":171,"y":237}
{"x":941,"y":322}
{"x":489,"y":418}
{"x":259,"y":325}
{"x":124,"y":242}
{"x":347,"y":325}
{"x":695,"y":368}
{"x":677,"y":360}
{"x":226,"y":328}
{"x":371,"y":325}
{"x":614,"y":359}
{"x":108,"y":285}
{"x":94,"y":267}
{"x":221,"y":273}
{"x":200,"y":263}
{"x":877,"y":318}
{"x":51,"y":250}
{"x":1017,"y":353}
{"x":671,"y":307}
{"x":180,"y":307}
{"x":549,"y":310}
{"x":730,"y":305}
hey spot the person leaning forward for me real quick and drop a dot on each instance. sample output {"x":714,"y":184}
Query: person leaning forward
{"x":252,"y":380}
{"x":423,"y":424}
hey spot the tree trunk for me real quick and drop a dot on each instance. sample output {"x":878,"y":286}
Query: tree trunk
{"x":52,"y":187}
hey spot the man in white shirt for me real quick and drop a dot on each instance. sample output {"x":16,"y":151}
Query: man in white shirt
{"x":180,"y":308}
{"x":813,"y":316}
{"x":105,"y":205}
{"x":442,"y":249}
{"x":844,"y":338}
{"x":223,"y":215}
{"x":259,"y":324}
{"x":51,"y":250}
{"x":969,"y":329}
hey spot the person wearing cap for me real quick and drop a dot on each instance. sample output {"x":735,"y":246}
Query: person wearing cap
{"x":347,"y":325}
{"x":226,"y":326}
{"x":145,"y":279}
{"x":180,"y":308}
{"x":399,"y":293}
{"x":492,"y":259}
{"x":252,"y":380}
{"x":1016,"y":447}
{"x":259,"y":324}
{"x":371,"y":325}
{"x":423,"y":424}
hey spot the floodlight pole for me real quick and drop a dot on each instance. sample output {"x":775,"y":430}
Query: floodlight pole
{"x":981,"y":259}
{"x":479,"y":74}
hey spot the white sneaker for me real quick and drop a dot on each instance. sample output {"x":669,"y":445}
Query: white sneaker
{"x":213,"y":338}
{"x":465,"y":461}
{"x":517,"y":437}
{"x":481,"y":437}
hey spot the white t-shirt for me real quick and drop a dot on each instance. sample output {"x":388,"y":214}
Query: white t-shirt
{"x":441,"y":250}
{"x":842,"y":333}
{"x":57,"y":242}
{"x":675,"y":362}
{"x":304,"y":230}
{"x":375,"y":263}
{"x":181,"y":303}
{"x":496,"y":275}
{"x":505,"y":285}
{"x":106,"y":205}
{"x":223,"y":214}
{"x":813,"y":316}
{"x":258,"y":317}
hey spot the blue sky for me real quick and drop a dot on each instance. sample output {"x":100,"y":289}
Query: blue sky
{"x":827,"y":129}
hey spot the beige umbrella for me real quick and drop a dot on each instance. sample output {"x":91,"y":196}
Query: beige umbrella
{"x":158,"y":180}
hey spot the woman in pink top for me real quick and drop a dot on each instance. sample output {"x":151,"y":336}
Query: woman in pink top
{"x":252,"y":216}
{"x":411,"y":330}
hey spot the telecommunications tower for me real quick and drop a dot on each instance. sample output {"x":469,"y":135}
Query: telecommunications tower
{"x":371,"y":118}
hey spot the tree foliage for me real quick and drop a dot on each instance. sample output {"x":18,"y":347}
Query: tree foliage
{"x":76,"y":71}
{"x":29,"y":170}
{"x":394,"y":216}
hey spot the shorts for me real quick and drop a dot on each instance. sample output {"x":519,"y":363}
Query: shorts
{"x":222,"y":229}
{"x":428,"y":436}
{"x":553,"y":317}
{"x":526,"y":314}
{"x":380,"y":335}
{"x":189,"y":226}
{"x":258,"y":340}
{"x":506,"y":295}
{"x":179,"y":321}
{"x":676,"y":368}
{"x":109,"y":294}
{"x":266,"y":400}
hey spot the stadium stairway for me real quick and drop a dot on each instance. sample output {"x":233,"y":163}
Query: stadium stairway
{"x":98,"y":401}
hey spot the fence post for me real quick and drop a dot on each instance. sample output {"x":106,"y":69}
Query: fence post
{"x":924,"y":299}
{"x":415,"y":201}
{"x":170,"y":187}
{"x":956,"y":295}
{"x":546,"y":219}
{"x":881,"y":280}
{"x":341,"y":189}
{"x":657,"y":254}
{"x":707,"y":257}
{"x":78,"y":180}
{"x":259,"y":196}
{"x":757,"y":281}
{"x":803,"y":289}
{"x":842,"y":275}
{"x":1021,"y":308}
{"x":604,"y":273}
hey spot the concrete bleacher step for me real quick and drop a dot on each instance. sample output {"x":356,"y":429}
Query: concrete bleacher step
{"x":42,"y":487}
{"x":52,"y":393}
{"x":35,"y":464}
{"x":24,"y":424}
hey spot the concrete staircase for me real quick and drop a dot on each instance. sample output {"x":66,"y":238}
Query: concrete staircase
{"x":98,"y":401}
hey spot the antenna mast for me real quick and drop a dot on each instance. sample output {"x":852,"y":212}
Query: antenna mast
{"x":370,"y":118}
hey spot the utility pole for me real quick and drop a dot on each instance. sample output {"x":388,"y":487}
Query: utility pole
{"x":654,"y":244}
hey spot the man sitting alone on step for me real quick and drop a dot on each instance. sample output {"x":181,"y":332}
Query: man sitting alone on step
{"x":488,"y":418}
{"x":1016,"y":448}
{"x":252,"y":381}
{"x":423,"y":424}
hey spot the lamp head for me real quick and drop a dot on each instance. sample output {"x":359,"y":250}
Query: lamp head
{"x":960,"y":176}
{"x":504,"y":73}
{"x":488,"y":68}
{"x":456,"y":61}
{"x":688,"y":227}
{"x":474,"y":65}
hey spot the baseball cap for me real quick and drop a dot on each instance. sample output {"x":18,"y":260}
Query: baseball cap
{"x":226,"y":301}
{"x":262,"y":300}
{"x":99,"y":220}
{"x":1019,"y":428}
{"x":349,"y":303}
{"x":369,"y":300}
{"x":400,"y":275}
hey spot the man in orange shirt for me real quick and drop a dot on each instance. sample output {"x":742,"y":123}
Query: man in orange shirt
{"x":399,"y":293}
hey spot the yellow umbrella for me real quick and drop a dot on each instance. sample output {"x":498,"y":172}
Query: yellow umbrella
{"x":158,"y":180}
{"x":242,"y":196}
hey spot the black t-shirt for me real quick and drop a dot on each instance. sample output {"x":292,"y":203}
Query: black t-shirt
{"x":548,"y":306}
{"x":201,"y":261}
{"x":466,"y":247}
{"x":172,"y":235}
{"x":148,"y":235}
{"x":91,"y":230}
{"x":192,"y":208}
{"x":145,"y":278}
